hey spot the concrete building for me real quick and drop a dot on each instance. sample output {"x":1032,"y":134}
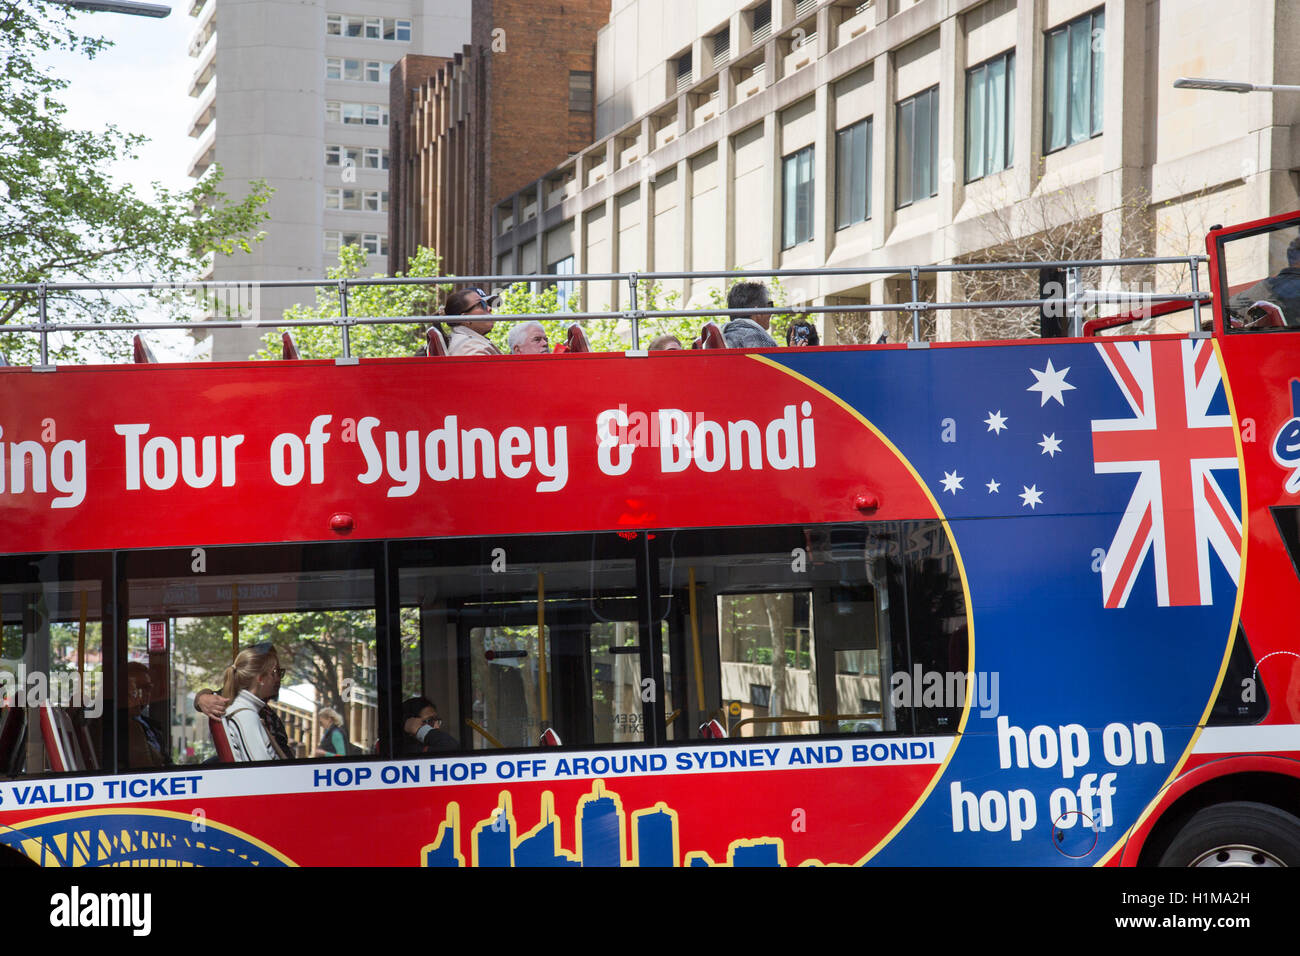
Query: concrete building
{"x":784,"y":134}
{"x":296,"y":93}
{"x":513,"y":104}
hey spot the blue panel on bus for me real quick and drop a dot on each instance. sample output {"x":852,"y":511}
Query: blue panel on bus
{"x":1094,"y":495}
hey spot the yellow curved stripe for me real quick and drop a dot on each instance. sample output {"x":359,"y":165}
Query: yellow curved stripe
{"x":136,"y":812}
{"x":961,"y":570}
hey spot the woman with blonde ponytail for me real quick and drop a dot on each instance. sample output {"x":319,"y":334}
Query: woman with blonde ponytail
{"x":255,"y":732}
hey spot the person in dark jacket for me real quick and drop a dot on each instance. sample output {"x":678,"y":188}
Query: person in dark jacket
{"x":333,"y":742}
{"x":1283,"y":290}
{"x":422,"y":729}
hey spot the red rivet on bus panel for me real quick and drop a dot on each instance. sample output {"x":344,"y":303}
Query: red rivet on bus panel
{"x":866,"y":501}
{"x":342,"y":523}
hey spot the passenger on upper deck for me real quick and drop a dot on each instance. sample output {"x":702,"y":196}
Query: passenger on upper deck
{"x":1282,"y":290}
{"x":528,"y":338}
{"x":469,"y":338}
{"x":801,"y":333}
{"x":423,"y":733}
{"x":748,"y":332}
{"x":252,"y":681}
{"x":665,"y":343}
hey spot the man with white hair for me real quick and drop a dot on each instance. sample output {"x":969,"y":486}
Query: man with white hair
{"x":528,"y":338}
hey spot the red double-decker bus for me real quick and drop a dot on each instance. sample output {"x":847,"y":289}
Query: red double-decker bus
{"x":980,"y":602}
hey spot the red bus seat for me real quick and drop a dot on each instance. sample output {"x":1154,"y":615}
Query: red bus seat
{"x":710,"y":337}
{"x":62,"y":749}
{"x":219,"y":740}
{"x":550,"y":738}
{"x":288,"y":350}
{"x":89,"y":757}
{"x":13,"y":733}
{"x":713,"y":730}
{"x":1267,"y":315}
{"x":577,"y":340}
{"x":437,"y":344}
{"x":142,"y":353}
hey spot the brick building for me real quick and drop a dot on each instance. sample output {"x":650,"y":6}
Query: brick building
{"x":470,"y":130}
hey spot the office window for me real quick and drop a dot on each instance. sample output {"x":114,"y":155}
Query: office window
{"x":580,"y":91}
{"x":918,"y":150}
{"x":683,"y":72}
{"x":565,"y":292}
{"x":721,"y":46}
{"x":370,"y":28}
{"x":372,"y":242}
{"x":355,"y":156}
{"x":356,"y":114}
{"x":1073,"y":63}
{"x":797,"y":197}
{"x":356,"y":200}
{"x":358,"y":71}
{"x":853,"y":174}
{"x":762,"y":29}
{"x":990,"y":108}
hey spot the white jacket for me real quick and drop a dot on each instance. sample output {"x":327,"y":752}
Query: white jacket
{"x":245,"y":730}
{"x":465,"y":341}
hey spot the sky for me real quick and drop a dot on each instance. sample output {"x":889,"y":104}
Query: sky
{"x":140,"y":85}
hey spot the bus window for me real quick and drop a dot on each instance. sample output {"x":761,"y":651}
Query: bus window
{"x":808,"y":630}
{"x":518,"y":636}
{"x":1260,"y":278}
{"x":51,"y":664}
{"x":768,"y":662}
{"x":314,"y":605}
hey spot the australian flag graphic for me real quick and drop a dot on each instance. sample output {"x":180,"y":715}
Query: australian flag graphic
{"x":1092,"y":491}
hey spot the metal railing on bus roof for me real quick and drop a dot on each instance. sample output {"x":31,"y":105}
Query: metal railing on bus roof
{"x":1073,"y":301}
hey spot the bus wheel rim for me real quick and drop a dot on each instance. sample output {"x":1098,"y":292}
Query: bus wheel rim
{"x":1236,"y":854}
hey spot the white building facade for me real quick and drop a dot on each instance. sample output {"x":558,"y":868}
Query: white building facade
{"x":784,"y":134}
{"x":297,"y":94}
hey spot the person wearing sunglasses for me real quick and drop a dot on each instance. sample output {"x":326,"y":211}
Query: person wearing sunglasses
{"x":748,"y":331}
{"x":469,"y":337}
{"x":251,"y":683}
{"x":422,"y":729}
{"x":801,"y":334}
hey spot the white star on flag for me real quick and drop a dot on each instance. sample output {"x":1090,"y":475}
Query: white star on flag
{"x":1051,"y":384}
{"x":997,"y":424}
{"x":1050,"y":445}
{"x":1032,"y":496}
{"x":993,"y":486}
{"x":952,"y":482}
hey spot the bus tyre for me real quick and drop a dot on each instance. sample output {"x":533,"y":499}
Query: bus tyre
{"x":1237,"y":834}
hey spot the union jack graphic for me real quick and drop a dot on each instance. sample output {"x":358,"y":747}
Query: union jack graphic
{"x":1177,"y":511}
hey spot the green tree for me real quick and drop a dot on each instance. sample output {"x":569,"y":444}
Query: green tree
{"x":367,"y":341}
{"x":63,"y":218}
{"x":372,"y":341}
